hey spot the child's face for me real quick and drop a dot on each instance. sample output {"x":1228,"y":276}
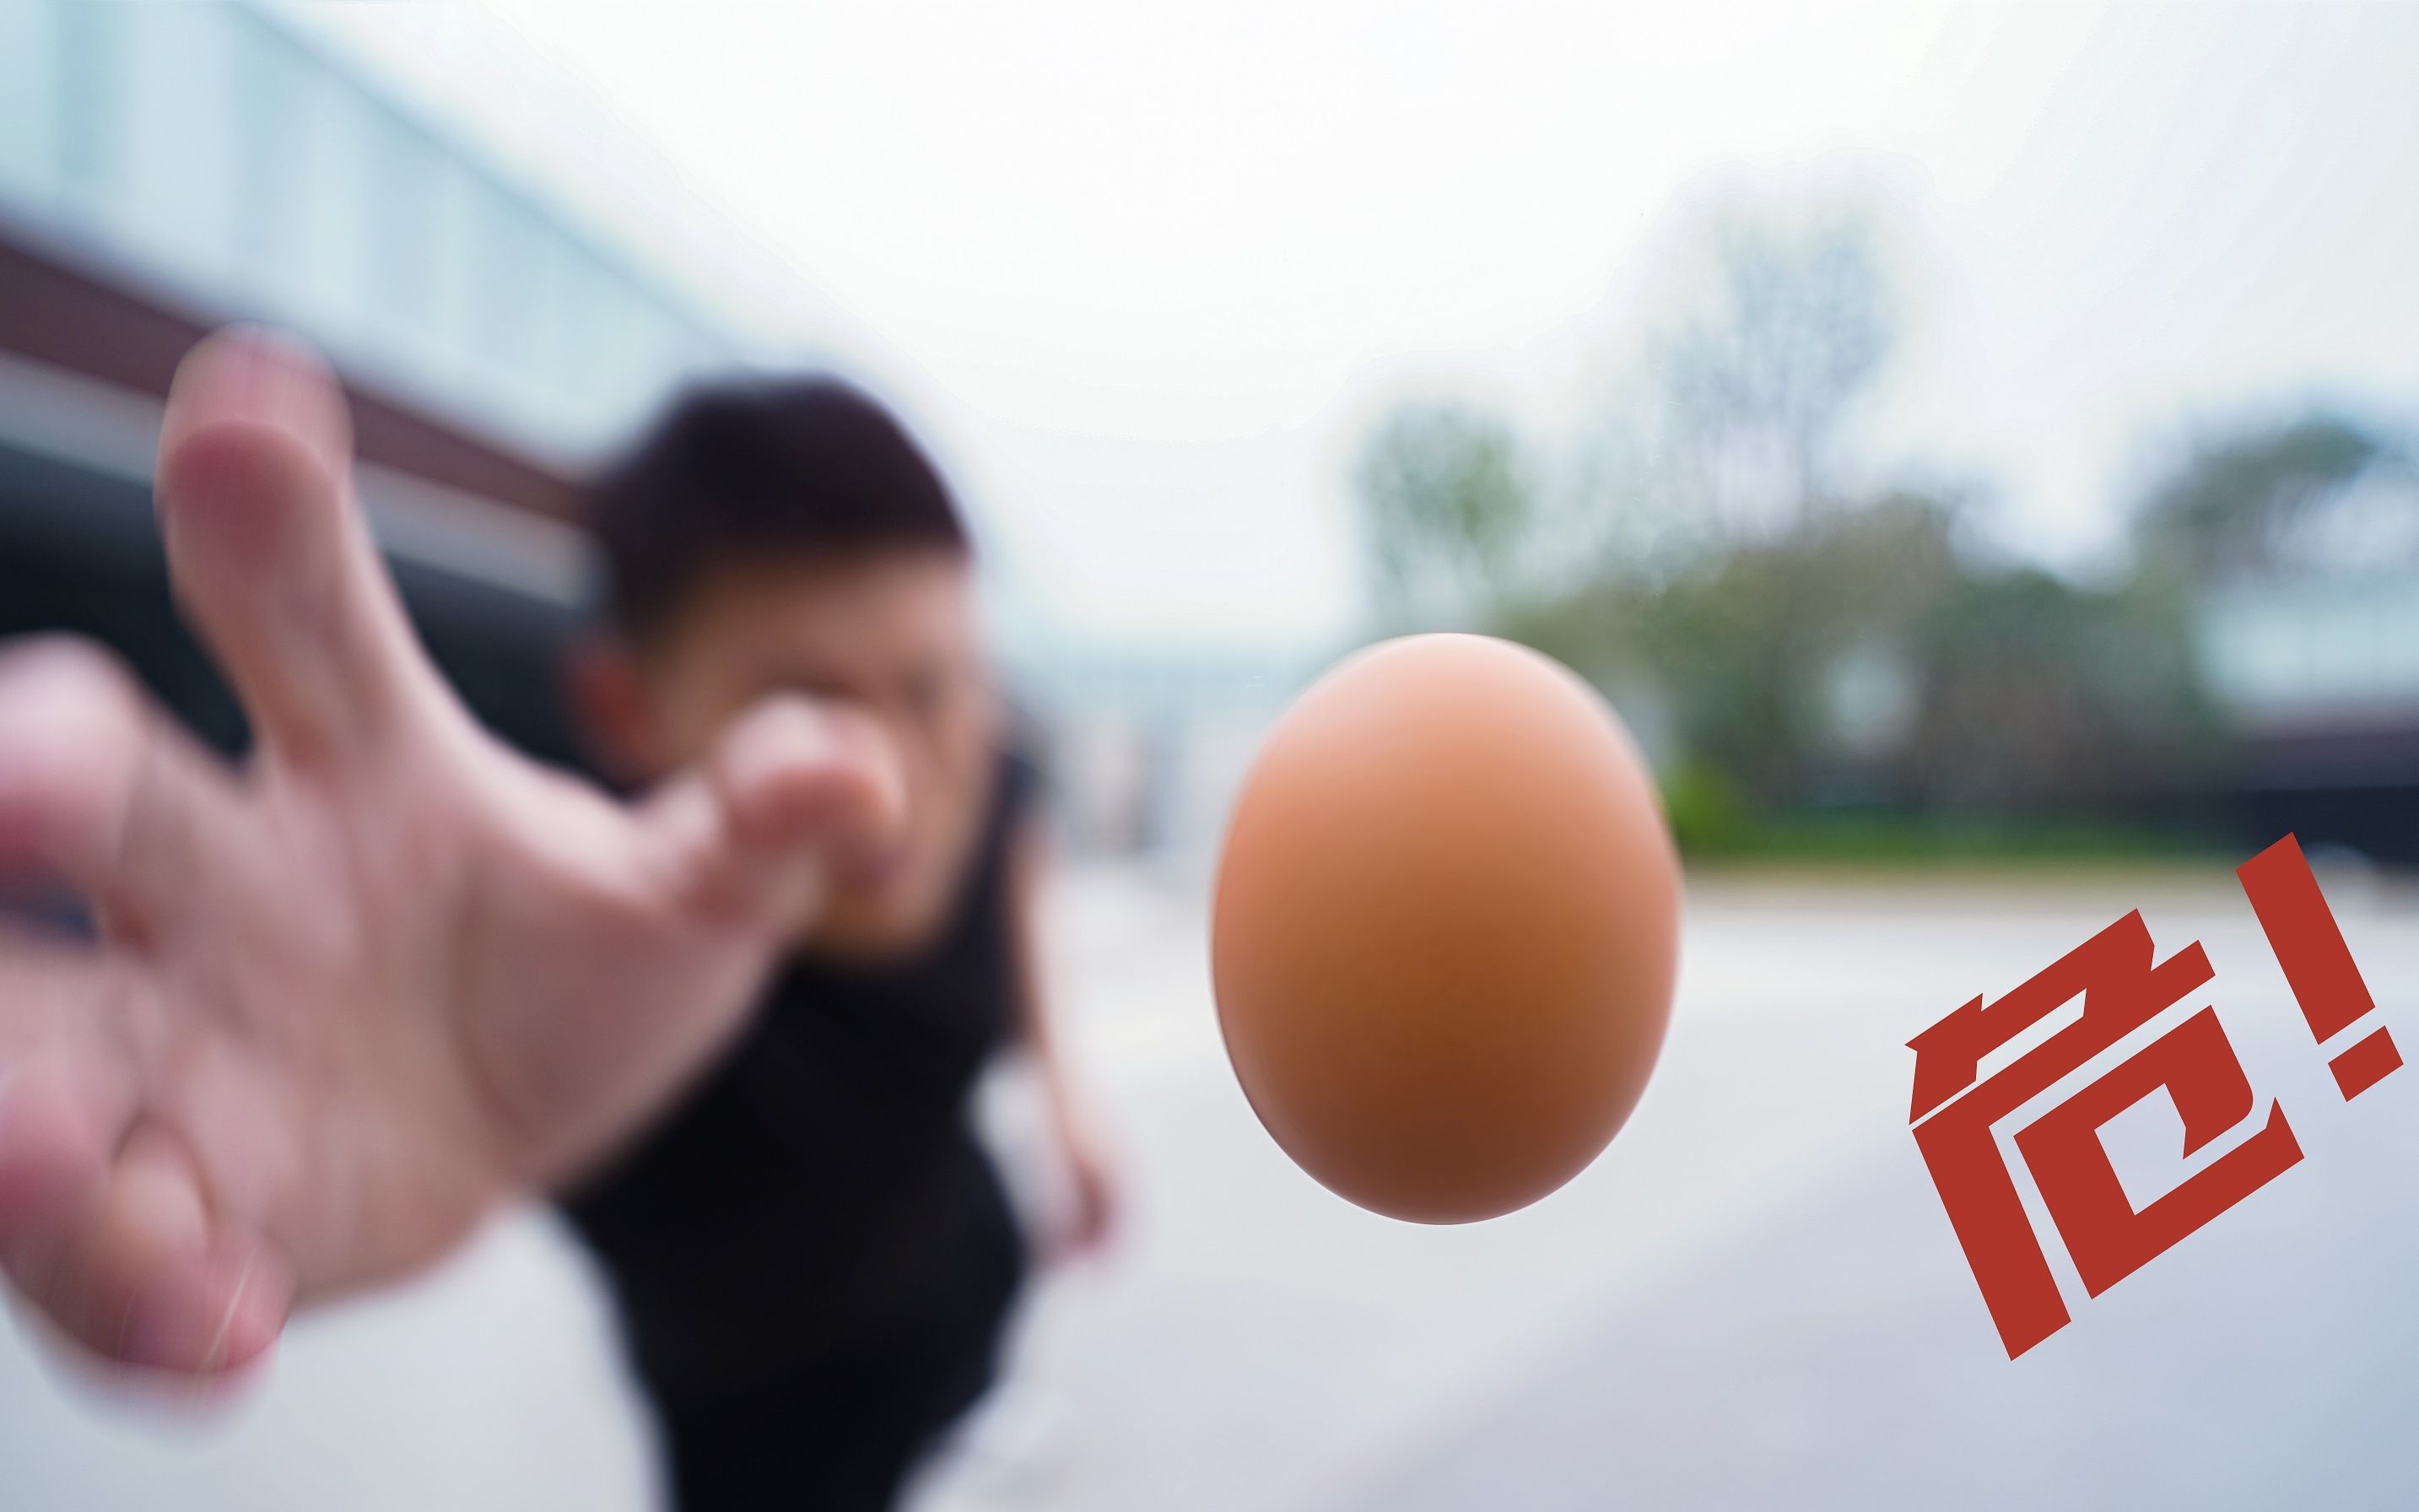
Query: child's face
{"x":893,"y":634}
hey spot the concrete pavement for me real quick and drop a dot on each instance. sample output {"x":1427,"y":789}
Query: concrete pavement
{"x":1753,"y":1299}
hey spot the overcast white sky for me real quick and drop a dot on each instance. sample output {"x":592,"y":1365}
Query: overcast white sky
{"x":1147,"y":269}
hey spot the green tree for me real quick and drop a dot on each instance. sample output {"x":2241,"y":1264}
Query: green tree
{"x":1800,"y":632}
{"x":1749,"y":394}
{"x":2041,"y":696}
{"x":1447,"y":499}
{"x":2233,"y":507}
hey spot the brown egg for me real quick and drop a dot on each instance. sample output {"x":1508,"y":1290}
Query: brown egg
{"x":1445,"y":929}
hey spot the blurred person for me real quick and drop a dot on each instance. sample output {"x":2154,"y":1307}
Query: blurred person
{"x":347,"y":999}
{"x":813,"y":1257}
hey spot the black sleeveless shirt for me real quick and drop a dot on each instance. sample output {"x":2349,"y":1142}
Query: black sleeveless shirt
{"x":820,"y":1198}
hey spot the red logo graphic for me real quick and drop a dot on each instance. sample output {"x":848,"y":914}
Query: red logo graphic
{"x":2123,"y":986}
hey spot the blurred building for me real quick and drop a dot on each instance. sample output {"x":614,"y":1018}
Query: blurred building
{"x":1147,"y":746}
{"x":2317,"y":676}
{"x":164,"y":169}
{"x":219,"y":158}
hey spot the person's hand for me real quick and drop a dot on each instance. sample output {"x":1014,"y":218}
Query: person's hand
{"x":1093,"y":1192}
{"x":348,"y":997}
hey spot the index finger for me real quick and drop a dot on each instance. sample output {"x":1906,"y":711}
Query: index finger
{"x":269,"y":551}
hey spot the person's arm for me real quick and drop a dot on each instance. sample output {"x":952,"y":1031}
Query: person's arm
{"x":1092,"y":1188}
{"x":350,"y":997}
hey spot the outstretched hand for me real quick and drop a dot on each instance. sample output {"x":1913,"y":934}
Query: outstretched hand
{"x":348,"y":997}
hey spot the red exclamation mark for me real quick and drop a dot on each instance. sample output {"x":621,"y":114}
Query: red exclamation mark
{"x":2319,"y":966}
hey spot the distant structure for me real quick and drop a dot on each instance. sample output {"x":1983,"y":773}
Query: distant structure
{"x":214,"y":159}
{"x":2316,"y":673}
{"x":1147,"y":748}
{"x":167,"y":168}
{"x":164,"y":169}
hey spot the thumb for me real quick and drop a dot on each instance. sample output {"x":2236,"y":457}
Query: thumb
{"x":746,"y":838}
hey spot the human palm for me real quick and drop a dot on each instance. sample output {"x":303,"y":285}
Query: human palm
{"x":348,"y":997}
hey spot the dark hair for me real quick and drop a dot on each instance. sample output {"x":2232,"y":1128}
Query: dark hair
{"x":735,"y":470}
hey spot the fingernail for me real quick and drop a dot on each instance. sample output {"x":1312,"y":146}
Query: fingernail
{"x":215,"y":1356}
{"x":256,"y":1315}
{"x":172,"y":1325}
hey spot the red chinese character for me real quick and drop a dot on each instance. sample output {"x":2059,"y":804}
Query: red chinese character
{"x":2122,"y":987}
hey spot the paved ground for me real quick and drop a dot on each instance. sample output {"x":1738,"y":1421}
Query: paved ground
{"x":1752,"y":1299}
